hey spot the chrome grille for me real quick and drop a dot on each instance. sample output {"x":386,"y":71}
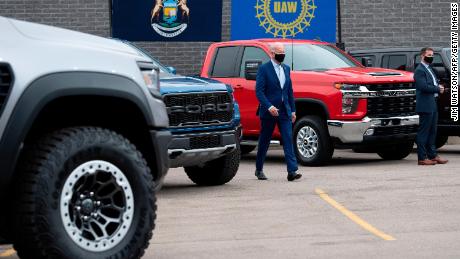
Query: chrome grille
{"x":390,"y":106}
{"x":397,"y":86}
{"x":384,"y":107}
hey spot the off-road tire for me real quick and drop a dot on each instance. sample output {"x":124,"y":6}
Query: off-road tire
{"x":45,"y":167}
{"x":325,"y":147}
{"x":441,"y":140}
{"x":246,"y":149}
{"x":396,"y":152}
{"x":216,"y":172}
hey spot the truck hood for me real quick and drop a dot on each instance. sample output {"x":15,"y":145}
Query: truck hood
{"x":359,"y":75}
{"x":185,"y":84}
{"x":67,"y":37}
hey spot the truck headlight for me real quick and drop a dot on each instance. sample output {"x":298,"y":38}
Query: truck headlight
{"x":152,"y":80}
{"x":349,"y":105}
{"x":346,"y":87}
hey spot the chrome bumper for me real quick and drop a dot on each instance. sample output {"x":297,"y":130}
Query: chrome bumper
{"x":354,"y":131}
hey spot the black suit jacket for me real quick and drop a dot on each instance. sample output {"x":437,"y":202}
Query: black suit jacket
{"x":425,"y":90}
{"x":269,"y":91}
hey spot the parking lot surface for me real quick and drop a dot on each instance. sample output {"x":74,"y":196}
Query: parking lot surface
{"x":358,"y":207}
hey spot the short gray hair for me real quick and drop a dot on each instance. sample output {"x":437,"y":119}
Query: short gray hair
{"x":274,"y":45}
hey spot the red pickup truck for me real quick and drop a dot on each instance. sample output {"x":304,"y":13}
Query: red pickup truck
{"x":339,"y":102}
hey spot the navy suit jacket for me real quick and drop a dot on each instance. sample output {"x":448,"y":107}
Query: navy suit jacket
{"x":269,"y":91}
{"x":425,"y":90}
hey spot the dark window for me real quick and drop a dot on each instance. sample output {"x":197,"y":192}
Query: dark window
{"x":398,"y":62}
{"x":253,"y":53}
{"x":225,"y":61}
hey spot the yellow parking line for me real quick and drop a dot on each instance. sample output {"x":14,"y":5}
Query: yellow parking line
{"x":353,"y":216}
{"x":8,"y":252}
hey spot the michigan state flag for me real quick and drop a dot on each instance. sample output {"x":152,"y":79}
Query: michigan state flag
{"x":167,"y":20}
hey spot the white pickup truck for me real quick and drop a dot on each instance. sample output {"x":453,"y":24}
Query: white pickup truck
{"x":83,"y":144}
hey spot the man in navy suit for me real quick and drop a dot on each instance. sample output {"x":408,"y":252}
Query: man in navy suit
{"x":427,"y":92}
{"x":276,"y":107}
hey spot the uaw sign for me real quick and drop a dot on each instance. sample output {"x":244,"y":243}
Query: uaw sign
{"x":167,"y":20}
{"x":297,"y":19}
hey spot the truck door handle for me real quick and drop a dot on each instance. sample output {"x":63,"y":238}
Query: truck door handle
{"x":238,"y":87}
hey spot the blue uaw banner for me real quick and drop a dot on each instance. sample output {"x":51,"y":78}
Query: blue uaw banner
{"x":298,"y":19}
{"x":167,"y":20}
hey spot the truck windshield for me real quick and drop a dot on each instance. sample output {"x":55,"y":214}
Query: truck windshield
{"x":311,"y":57}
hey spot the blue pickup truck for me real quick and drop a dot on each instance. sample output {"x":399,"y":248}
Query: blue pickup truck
{"x":204,"y":120}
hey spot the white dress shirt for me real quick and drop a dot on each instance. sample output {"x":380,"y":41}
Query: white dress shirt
{"x":280,"y":73}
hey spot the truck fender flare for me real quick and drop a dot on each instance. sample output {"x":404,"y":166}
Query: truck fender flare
{"x":49,"y":87}
{"x":315,"y":102}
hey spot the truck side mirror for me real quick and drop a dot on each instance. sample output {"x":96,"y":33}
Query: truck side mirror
{"x":250,"y":69}
{"x":366,"y":61}
{"x":171,"y":70}
{"x":340,"y":45}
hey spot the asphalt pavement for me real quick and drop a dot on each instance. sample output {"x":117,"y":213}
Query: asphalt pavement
{"x":415,"y":211}
{"x":358,"y":207}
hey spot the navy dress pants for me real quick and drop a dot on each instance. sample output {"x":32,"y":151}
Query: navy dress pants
{"x":284,"y":123}
{"x":426,"y":135}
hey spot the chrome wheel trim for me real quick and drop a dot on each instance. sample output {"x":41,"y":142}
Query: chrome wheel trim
{"x":307,"y":142}
{"x":84,"y":212}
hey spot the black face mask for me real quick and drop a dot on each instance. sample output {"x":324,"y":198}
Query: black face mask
{"x":280,"y":57}
{"x":428,"y":60}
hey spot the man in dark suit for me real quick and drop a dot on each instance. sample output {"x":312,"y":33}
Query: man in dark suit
{"x":427,"y":92}
{"x":276,"y":107}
